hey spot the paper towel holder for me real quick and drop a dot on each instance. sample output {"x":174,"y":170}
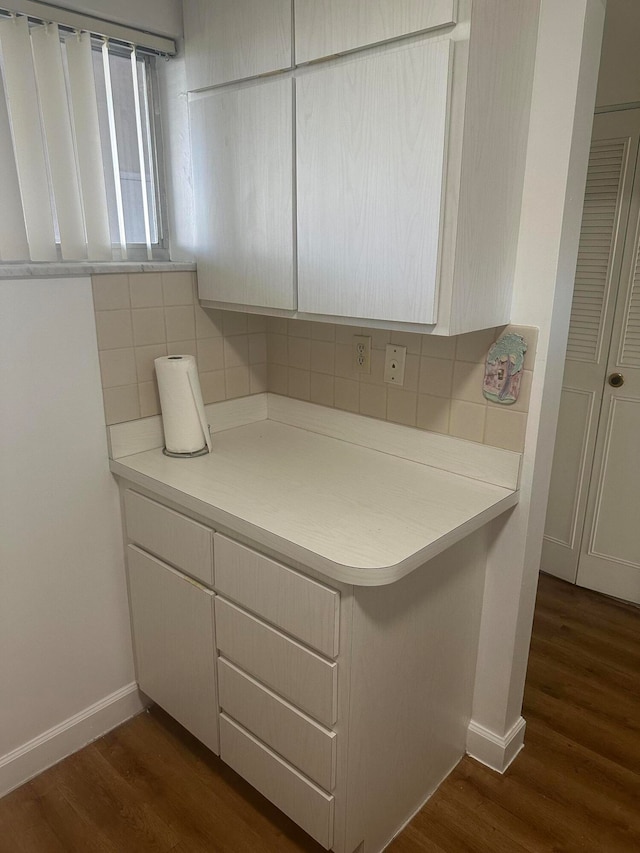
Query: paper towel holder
{"x":202,"y":452}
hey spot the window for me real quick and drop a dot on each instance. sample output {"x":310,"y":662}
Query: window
{"x":78,"y":149}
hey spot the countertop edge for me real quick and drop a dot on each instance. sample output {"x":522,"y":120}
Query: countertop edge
{"x":287,"y":550}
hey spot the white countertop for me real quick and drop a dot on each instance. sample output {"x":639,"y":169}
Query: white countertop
{"x":351,"y":512}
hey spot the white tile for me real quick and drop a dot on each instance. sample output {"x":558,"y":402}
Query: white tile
{"x":114,"y":329}
{"x":299,"y":383}
{"x":401,"y":406}
{"x":373,"y":401}
{"x":212,"y":385}
{"x":180,"y":322}
{"x":145,"y":357}
{"x":347,"y":394}
{"x":277,"y":349}
{"x":237,"y":382}
{"x":436,"y":375}
{"x":149,"y":328}
{"x":146,"y":290}
{"x":258,"y":348}
{"x":278,"y":378}
{"x":234,"y":323}
{"x":323,"y":357}
{"x":121,"y":404}
{"x":505,"y":428}
{"x":467,"y":420}
{"x":258,"y":378}
{"x":118,"y":367}
{"x":236,"y":351}
{"x":474,"y":346}
{"x":208,"y":322}
{"x":110,"y":292}
{"x":299,"y":353}
{"x":467,"y":382}
{"x":149,"y":399}
{"x":210,"y":354}
{"x":439,"y":346}
{"x":323,"y":332}
{"x":433,"y":413}
{"x":321,"y":389}
{"x":177,"y":288}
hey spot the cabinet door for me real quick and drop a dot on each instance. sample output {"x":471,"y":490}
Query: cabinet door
{"x":371,"y":137}
{"x":327,"y":27}
{"x":172,"y":618}
{"x":232,"y":39}
{"x":242,"y":144}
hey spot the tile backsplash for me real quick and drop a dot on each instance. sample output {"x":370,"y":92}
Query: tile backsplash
{"x":145,"y":315}
{"x":142,"y":316}
{"x":442,"y":390}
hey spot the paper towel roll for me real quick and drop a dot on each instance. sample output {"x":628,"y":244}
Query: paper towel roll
{"x":183,"y":418}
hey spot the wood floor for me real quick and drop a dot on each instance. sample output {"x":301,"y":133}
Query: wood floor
{"x":149,"y":786}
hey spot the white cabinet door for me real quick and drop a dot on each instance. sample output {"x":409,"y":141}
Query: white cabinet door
{"x":327,"y":27}
{"x":172,"y":618}
{"x":232,"y":39}
{"x":242,"y":148}
{"x":371,"y":137}
{"x":614,"y":148}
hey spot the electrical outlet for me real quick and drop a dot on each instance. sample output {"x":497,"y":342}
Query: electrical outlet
{"x":394,"y":361}
{"x":362,"y":353}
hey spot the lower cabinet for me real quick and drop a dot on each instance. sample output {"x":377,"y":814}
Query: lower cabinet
{"x":256,"y":636}
{"x":172,"y":618}
{"x":344,"y":706}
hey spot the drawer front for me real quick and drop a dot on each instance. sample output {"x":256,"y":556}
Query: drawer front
{"x":171,"y":536}
{"x":297,"y":673}
{"x":297,"y":738}
{"x":297,"y":604}
{"x":305,"y":803}
{"x":172,"y":618}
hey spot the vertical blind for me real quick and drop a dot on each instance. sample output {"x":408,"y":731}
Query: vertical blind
{"x":76,"y":164}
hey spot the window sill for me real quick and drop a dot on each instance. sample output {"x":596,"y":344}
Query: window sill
{"x":81,"y":268}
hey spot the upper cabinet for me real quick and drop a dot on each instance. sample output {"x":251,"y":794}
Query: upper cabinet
{"x":382,"y":187}
{"x":328,"y":27}
{"x":244,"y":193}
{"x":233,"y":39}
{"x":371,"y":144}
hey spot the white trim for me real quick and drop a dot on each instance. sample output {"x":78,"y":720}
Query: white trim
{"x":91,"y":23}
{"x":494,"y":750}
{"x":30,"y":759}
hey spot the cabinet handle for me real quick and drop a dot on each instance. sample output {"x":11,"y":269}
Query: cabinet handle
{"x":616,"y":380}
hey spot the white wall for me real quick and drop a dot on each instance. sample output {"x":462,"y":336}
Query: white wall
{"x":619,"y":80}
{"x":65,"y":639}
{"x":156,"y":16}
{"x":559,"y":135}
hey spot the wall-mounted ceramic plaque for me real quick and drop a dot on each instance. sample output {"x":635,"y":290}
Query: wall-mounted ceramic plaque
{"x":503,"y":370}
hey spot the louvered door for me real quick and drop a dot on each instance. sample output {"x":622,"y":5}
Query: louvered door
{"x":606,"y":215}
{"x":610,"y":554}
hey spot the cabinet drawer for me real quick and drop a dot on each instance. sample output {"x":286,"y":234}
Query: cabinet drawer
{"x":172,"y":619}
{"x":171,"y":536}
{"x":297,"y":673}
{"x":307,"y":805}
{"x":296,"y":737}
{"x":297,"y":604}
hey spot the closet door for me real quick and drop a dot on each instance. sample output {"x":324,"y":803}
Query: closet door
{"x":610,"y":557}
{"x":602,"y":238}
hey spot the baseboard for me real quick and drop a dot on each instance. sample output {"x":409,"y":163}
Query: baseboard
{"x":496,"y":751}
{"x":30,"y":759}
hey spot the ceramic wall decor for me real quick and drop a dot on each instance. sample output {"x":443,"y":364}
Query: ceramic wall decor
{"x":503,"y":370}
